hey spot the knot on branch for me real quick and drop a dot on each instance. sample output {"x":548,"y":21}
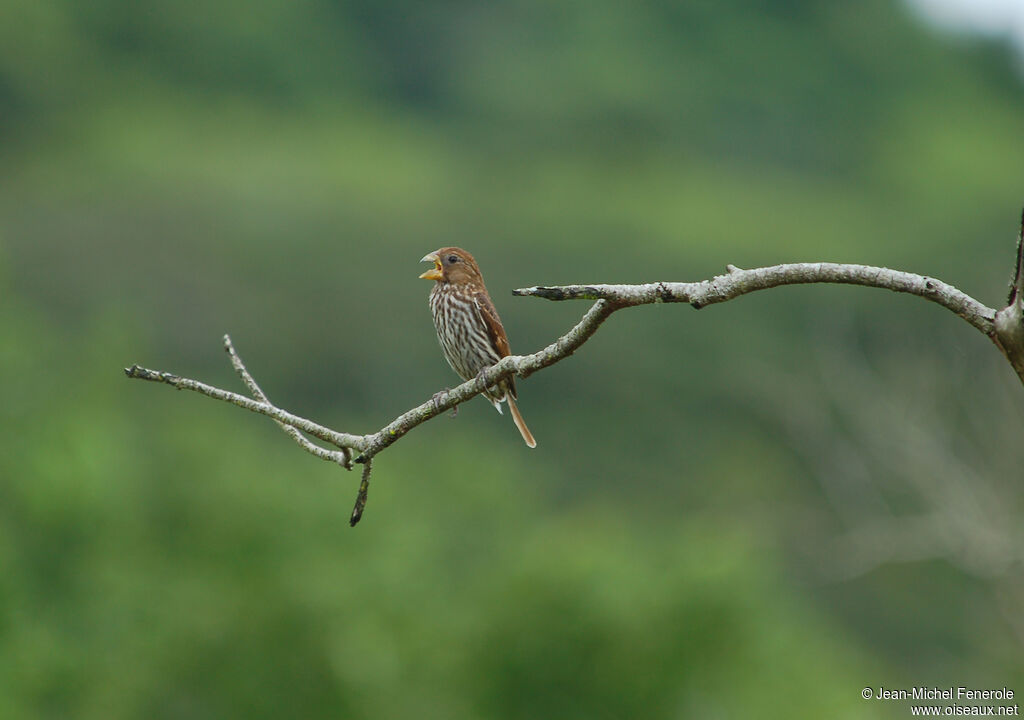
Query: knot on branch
{"x":1009,"y":330}
{"x":140,"y":373}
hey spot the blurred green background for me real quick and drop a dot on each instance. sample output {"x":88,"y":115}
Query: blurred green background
{"x":751,"y":511}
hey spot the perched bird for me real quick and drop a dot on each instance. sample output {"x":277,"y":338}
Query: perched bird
{"x":468,"y":326}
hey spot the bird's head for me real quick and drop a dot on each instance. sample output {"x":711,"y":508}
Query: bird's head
{"x":452,"y":265}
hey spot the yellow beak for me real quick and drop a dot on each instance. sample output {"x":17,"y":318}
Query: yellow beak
{"x":433,"y":273}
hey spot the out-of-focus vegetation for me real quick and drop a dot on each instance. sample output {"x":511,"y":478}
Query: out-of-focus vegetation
{"x":751,"y":511}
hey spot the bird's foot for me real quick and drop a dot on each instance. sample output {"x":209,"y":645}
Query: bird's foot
{"x":480,"y":375}
{"x":439,"y":397}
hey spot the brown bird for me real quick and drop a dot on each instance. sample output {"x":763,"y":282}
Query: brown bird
{"x":468,"y":326}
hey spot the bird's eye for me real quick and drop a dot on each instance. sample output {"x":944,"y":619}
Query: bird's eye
{"x":453,"y":258}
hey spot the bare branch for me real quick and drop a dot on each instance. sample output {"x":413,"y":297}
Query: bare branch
{"x":1005,"y":329}
{"x":740,"y":282}
{"x":341,"y":440}
{"x":364,"y":489}
{"x":370,"y":445}
{"x":343,"y":457}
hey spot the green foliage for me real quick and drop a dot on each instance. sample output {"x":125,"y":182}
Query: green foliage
{"x":201,"y":568}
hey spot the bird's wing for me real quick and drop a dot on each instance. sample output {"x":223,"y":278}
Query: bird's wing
{"x":494,"y":328}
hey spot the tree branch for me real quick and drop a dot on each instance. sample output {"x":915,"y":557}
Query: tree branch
{"x":343,"y":457}
{"x":738,"y":282}
{"x":1004,"y":328}
{"x":364,"y":489}
{"x":369,"y":445}
{"x":341,"y":440}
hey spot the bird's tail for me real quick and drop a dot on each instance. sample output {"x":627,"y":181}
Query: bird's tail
{"x":520,"y":423}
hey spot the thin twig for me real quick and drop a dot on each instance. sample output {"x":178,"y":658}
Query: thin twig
{"x":343,"y":457}
{"x":341,"y":440}
{"x":1017,"y":286}
{"x":364,"y":488}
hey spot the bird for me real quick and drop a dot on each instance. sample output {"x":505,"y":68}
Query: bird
{"x":468,"y":327}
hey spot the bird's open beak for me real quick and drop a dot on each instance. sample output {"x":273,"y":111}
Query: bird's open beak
{"x":433,"y":273}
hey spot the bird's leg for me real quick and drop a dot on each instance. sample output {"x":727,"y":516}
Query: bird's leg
{"x":438,"y":397}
